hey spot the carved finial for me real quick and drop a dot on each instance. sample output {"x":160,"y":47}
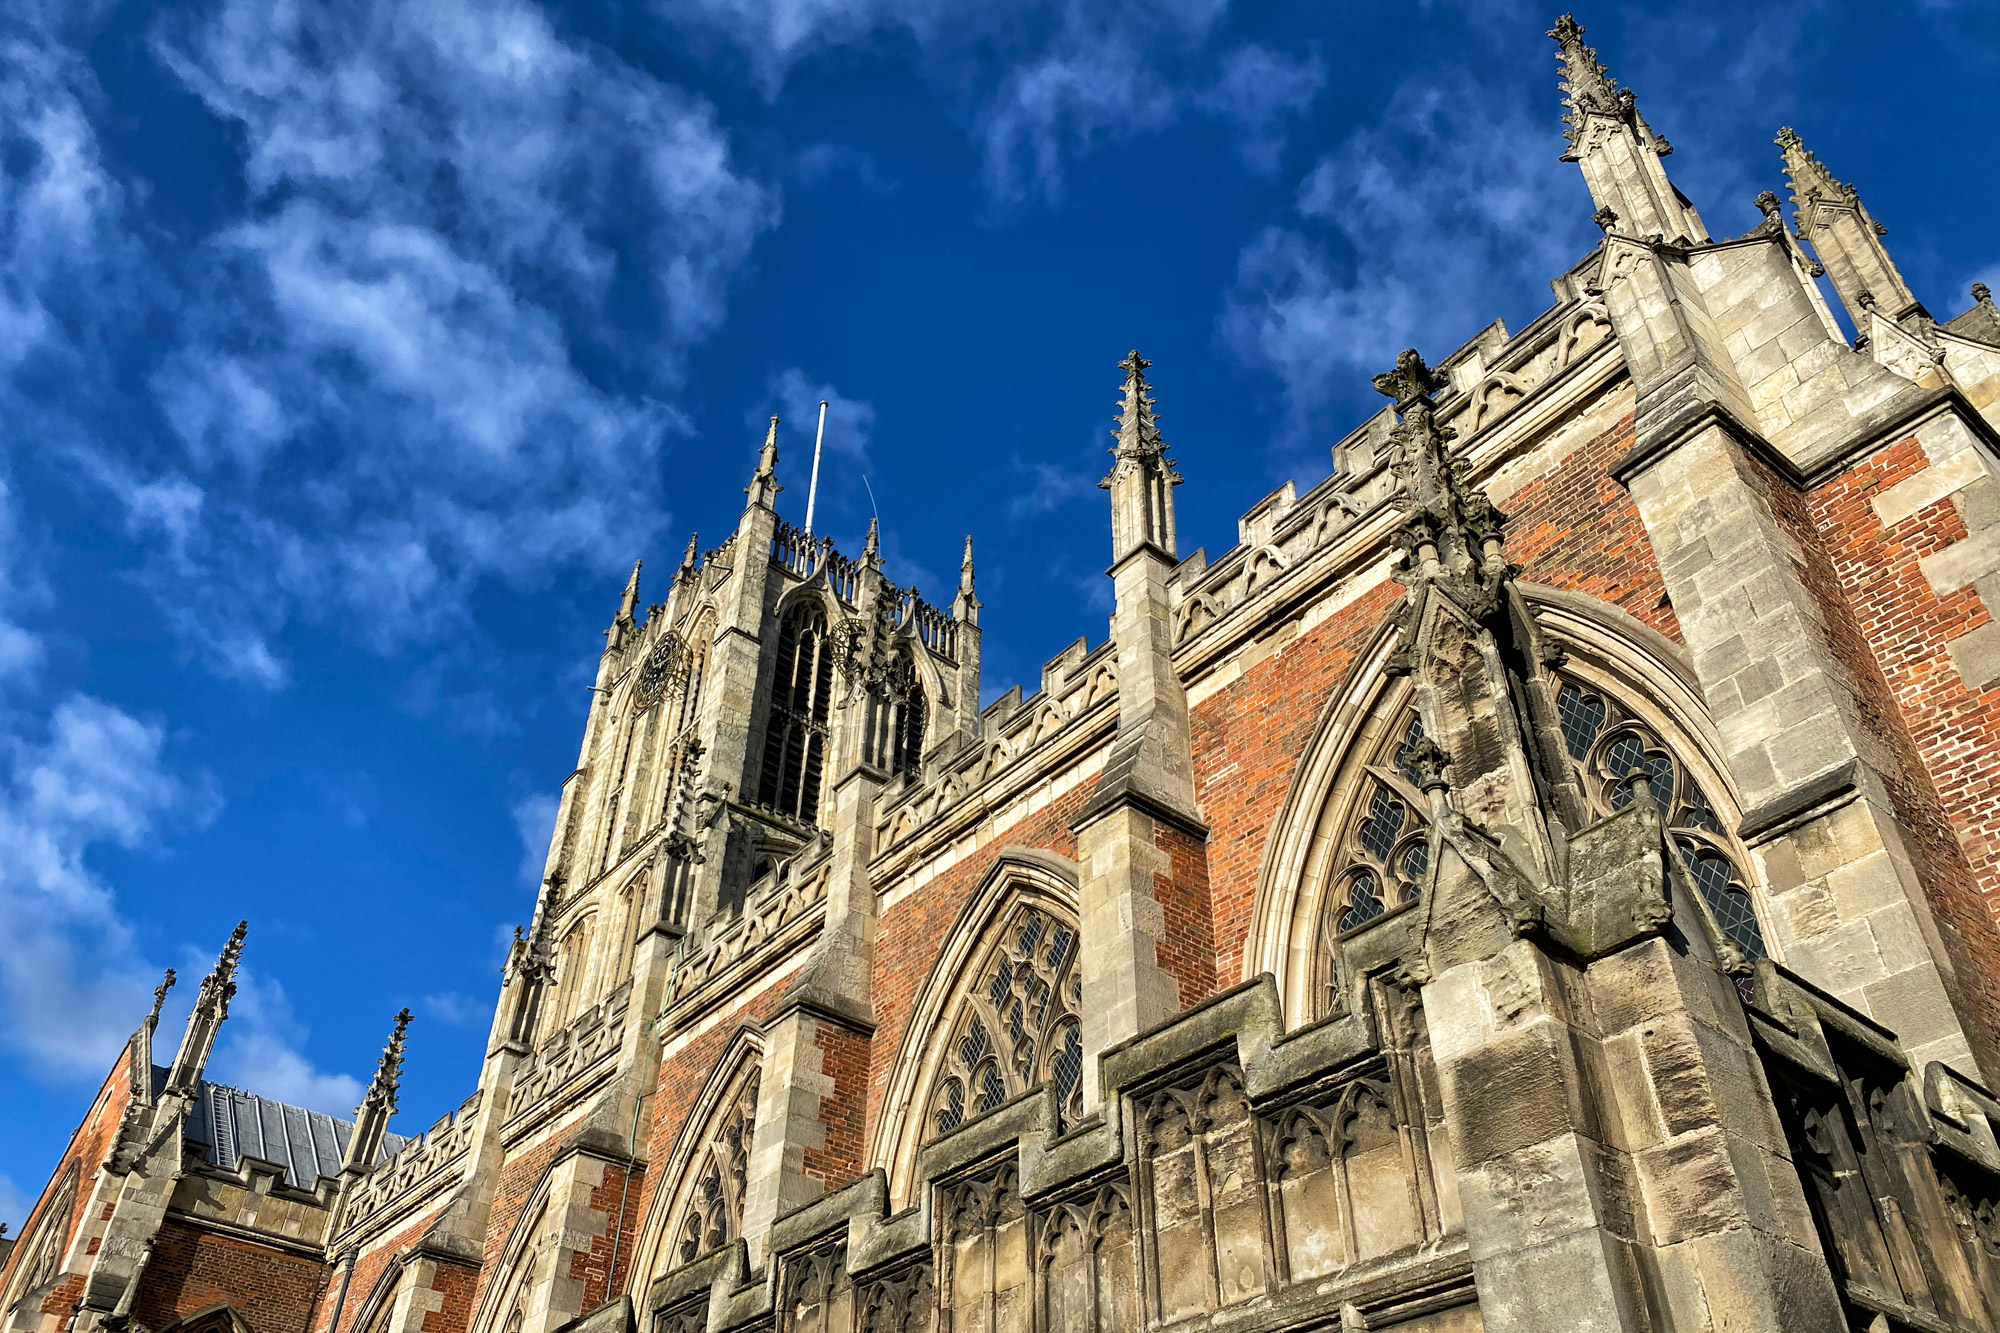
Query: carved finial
{"x":1451,"y":531}
{"x":1606,"y":218}
{"x":965,"y":606}
{"x":871,"y":549}
{"x":1767,"y":203}
{"x":1586,"y":85}
{"x":389,"y":1069}
{"x":1982,"y":293}
{"x":1138,"y":430}
{"x":1411,"y":382}
{"x":160,"y":999}
{"x":1425,"y":762}
{"x":629,"y":602}
{"x":1142,"y":476}
{"x":692,"y":555}
{"x":225,"y":966}
{"x":763,"y":488}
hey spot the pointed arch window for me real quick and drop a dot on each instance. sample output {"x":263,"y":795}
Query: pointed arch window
{"x":903,"y":715}
{"x":40,"y":1253}
{"x":1383,"y":853}
{"x":1609,"y":743}
{"x":712,"y":1213}
{"x":1016,"y":1026}
{"x":795,"y":734}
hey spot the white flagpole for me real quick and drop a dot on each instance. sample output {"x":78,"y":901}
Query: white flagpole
{"x":812,"y":491}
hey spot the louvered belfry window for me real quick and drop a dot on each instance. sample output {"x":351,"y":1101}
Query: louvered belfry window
{"x":795,"y":736}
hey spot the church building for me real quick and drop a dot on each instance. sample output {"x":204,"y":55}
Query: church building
{"x":1541,"y":879}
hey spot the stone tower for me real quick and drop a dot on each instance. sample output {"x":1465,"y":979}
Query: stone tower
{"x":1543,"y":876}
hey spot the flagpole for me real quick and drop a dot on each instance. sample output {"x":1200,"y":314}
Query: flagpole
{"x":812,"y":491}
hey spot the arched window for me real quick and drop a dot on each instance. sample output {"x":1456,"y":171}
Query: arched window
{"x":572,"y":961}
{"x":40,"y":1252}
{"x":1608,"y":743}
{"x":711,"y":1214}
{"x":795,"y":735}
{"x":904,"y":715}
{"x":1383,"y":856}
{"x":1016,"y":1026}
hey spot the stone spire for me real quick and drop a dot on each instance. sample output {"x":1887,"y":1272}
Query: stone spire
{"x":966,"y":605}
{"x":1142,"y":477}
{"x":211,"y":1006}
{"x":871,"y":550}
{"x":628,"y":604}
{"x":1618,"y":151}
{"x":763,"y":488}
{"x":1833,"y":220}
{"x":160,"y":1000}
{"x":690,"y":557}
{"x":371,"y":1118}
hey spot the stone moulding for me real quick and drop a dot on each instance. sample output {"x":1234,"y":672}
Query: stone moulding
{"x":1023,"y":1172}
{"x":412,"y":1174}
{"x":1078,"y":689}
{"x":788,"y":917}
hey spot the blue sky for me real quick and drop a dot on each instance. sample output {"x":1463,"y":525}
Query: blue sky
{"x":350,"y":351}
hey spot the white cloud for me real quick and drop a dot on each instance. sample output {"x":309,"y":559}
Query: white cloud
{"x":456,"y":1010}
{"x":1037,"y":82}
{"x":259,"y":1051}
{"x":1260,"y":89}
{"x":534,"y":818}
{"x":71,"y":981}
{"x":393,"y":381}
{"x":1415,"y":230}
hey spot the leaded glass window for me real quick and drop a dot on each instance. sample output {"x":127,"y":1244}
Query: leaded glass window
{"x":1017,"y":1026}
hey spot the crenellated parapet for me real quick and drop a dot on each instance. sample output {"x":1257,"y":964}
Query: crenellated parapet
{"x":415,"y":1175}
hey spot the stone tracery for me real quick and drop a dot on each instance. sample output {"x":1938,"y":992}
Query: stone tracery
{"x":1016,"y":1025}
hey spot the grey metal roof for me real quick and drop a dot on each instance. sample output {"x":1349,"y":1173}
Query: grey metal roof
{"x":229,"y":1125}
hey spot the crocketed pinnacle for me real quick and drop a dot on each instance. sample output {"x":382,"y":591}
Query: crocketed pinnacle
{"x":1587,"y":88}
{"x":1808,"y":176}
{"x":763,"y":488}
{"x":1138,"y":432}
{"x":691,"y":555}
{"x":222,"y":981}
{"x":628,"y":604}
{"x":871,"y":550}
{"x":160,"y":999}
{"x":389,"y":1069}
{"x":1451,"y":532}
{"x":966,"y":605}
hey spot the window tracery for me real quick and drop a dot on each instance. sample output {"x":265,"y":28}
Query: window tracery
{"x":1383,"y":853}
{"x":42,"y":1250}
{"x":796,"y":732}
{"x":1017,"y":1025}
{"x":712,"y":1216}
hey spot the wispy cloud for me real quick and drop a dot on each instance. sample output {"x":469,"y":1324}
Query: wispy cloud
{"x":391,"y":386}
{"x":1413,"y":231}
{"x":71,"y":978}
{"x":1038,"y":83}
{"x":534,"y":817}
{"x":796,"y":395}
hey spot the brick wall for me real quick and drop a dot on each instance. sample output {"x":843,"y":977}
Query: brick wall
{"x":1891,"y":631}
{"x":618,"y":1197}
{"x":89,"y":1144}
{"x":909,"y":935}
{"x":373,"y":1264}
{"x":844,"y":1058}
{"x":1247,"y":742}
{"x":192,"y":1270}
{"x":1187,"y":951}
{"x":1575,"y":528}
